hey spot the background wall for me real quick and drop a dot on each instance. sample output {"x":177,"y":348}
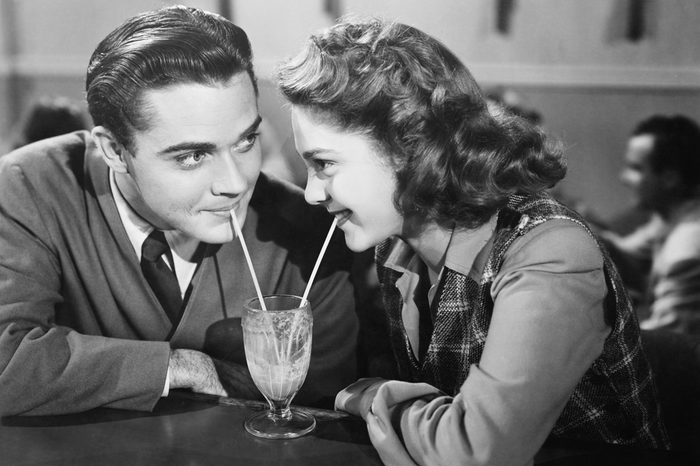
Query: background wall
{"x":569,"y":59}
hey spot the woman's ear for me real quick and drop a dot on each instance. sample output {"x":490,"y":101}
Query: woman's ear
{"x":112,"y":150}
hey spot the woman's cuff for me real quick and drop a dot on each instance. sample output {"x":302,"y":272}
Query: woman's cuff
{"x":357,"y":398}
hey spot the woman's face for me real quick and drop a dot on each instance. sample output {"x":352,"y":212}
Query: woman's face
{"x":349,"y":177}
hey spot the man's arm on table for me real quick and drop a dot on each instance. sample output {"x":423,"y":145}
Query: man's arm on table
{"x":50,"y":369}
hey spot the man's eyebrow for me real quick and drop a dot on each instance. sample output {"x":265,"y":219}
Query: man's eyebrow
{"x":253,"y":127}
{"x":188,"y":146}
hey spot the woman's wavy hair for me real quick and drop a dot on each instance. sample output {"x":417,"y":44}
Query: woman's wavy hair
{"x":156,"y":49}
{"x":456,"y":158}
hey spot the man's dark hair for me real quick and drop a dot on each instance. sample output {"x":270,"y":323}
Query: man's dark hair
{"x":676,"y":148}
{"x":156,"y":49}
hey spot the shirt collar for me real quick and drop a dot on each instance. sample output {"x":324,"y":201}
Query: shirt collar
{"x":465,"y":246}
{"x":137,"y":229}
{"x":461,"y":255}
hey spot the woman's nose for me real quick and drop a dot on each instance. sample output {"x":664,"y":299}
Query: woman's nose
{"x":315,"y":191}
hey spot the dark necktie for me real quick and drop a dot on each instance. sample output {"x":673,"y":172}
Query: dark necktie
{"x":162,"y":279}
{"x":425,"y":323}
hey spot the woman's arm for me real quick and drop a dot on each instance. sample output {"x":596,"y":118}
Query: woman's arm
{"x":547,"y":329}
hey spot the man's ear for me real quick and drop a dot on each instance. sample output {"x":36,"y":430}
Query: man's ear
{"x":112,"y":150}
{"x":671,"y":179}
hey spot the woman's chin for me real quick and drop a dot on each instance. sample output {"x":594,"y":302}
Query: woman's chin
{"x":358,"y":243}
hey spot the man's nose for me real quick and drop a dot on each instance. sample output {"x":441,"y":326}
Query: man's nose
{"x":315,"y":191}
{"x":228,"y":178}
{"x":628,"y":178}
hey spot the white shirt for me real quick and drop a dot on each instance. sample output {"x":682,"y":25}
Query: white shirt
{"x":138,"y":229}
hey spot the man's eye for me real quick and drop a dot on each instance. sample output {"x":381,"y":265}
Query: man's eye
{"x":246,"y":143}
{"x":191,"y":159}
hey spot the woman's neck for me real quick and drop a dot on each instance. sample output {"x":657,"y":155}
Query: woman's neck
{"x":430,"y":243}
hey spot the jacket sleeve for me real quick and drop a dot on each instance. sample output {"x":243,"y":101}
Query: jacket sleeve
{"x":47,"y":368}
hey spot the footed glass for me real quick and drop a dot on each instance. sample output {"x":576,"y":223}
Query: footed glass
{"x":277,"y":345}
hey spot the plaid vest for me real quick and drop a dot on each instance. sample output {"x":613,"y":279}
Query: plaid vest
{"x":615,"y":401}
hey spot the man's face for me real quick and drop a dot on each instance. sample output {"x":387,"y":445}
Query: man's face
{"x":638,"y":174}
{"x":199,"y":159}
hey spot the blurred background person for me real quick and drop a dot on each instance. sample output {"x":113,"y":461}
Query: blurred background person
{"x":513,"y":102}
{"x":47,"y":117}
{"x":660,"y":260}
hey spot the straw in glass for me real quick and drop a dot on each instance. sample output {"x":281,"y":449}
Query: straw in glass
{"x":239,"y":233}
{"x":297,"y":318}
{"x":320,"y":256}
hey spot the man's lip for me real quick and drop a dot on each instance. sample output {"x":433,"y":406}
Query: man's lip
{"x":222,"y":210}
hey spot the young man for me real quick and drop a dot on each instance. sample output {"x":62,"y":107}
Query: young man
{"x":662,"y":167}
{"x":173,"y":153}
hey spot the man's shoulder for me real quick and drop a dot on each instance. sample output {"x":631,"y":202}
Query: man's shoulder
{"x":682,"y":242}
{"x":49,"y":157}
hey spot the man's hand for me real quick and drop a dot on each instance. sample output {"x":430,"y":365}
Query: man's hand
{"x":194,"y":370}
{"x":236,"y":380}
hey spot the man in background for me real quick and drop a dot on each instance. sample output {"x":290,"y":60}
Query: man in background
{"x":48,"y":117}
{"x":120,"y":279}
{"x":661,"y":259}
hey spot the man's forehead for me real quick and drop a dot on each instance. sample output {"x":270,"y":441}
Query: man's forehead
{"x":640,"y":146}
{"x":200,"y":109}
{"x":239,"y":85}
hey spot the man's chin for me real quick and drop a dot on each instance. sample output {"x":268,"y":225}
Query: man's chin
{"x":220,"y":239}
{"x":215,"y":235}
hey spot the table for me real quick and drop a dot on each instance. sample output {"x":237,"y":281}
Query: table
{"x":183,"y":429}
{"x":189,"y":429}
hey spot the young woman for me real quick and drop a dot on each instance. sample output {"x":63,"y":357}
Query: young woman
{"x":507,"y":322}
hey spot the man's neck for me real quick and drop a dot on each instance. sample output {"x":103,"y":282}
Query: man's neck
{"x":131,"y":194}
{"x":185,"y":247}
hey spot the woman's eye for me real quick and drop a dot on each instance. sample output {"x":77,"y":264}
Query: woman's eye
{"x":246,"y":143}
{"x":320,"y":164}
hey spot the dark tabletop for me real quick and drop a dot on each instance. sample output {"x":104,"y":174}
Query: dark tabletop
{"x":188,"y":429}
